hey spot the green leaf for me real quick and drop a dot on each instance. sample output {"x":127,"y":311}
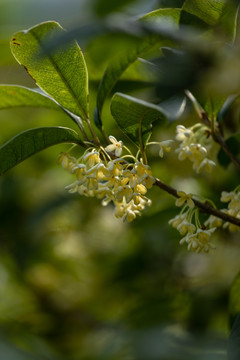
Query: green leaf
{"x":62,"y":75}
{"x":12,"y":96}
{"x":221,"y":14}
{"x":233,"y":143}
{"x":135,"y":117}
{"x":224,"y":112}
{"x":212,"y":104}
{"x":209,"y":10}
{"x":118,"y":66}
{"x":32,"y":141}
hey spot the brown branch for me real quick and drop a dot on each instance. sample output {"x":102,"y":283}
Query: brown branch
{"x":206,"y":206}
{"x":219,"y":139}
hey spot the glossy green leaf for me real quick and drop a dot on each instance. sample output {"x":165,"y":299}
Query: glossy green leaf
{"x":12,"y":96}
{"x":221,"y":14}
{"x":135,"y":117}
{"x":233,"y":143}
{"x":223,"y":113}
{"x":209,"y":10}
{"x":117,"y":68}
{"x":62,"y":75}
{"x":32,"y":141}
{"x":212,"y":105}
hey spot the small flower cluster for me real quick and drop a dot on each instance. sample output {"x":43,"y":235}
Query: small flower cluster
{"x":193,"y":142}
{"x":196,"y":237}
{"x":100,"y":176}
{"x":233,"y":198}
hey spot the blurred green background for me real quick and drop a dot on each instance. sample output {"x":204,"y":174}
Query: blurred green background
{"x":76,"y":283}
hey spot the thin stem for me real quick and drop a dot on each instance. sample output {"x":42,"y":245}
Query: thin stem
{"x":80,"y":125}
{"x":216,"y":135}
{"x":96,"y":139}
{"x":104,"y":152}
{"x":106,"y":138}
{"x":206,"y":206}
{"x":142,"y":149}
{"x":218,"y":138}
{"x":153,"y":143}
{"x":137,"y":155}
{"x":129,"y":156}
{"x":77,"y":121}
{"x":128,"y":150}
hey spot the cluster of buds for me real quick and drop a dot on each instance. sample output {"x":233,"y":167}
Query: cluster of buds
{"x":112,"y":180}
{"x":233,"y":198}
{"x":193,"y":146}
{"x":196,"y":237}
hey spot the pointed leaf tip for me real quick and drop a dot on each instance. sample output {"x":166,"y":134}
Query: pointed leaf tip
{"x":62,"y":74}
{"x":32,"y":141}
{"x":135,"y":117}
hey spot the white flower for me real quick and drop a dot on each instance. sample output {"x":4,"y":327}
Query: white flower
{"x":227,"y":196}
{"x":184,"y":198}
{"x":183,"y":133}
{"x":200,"y":241}
{"x":164,"y":146}
{"x":192,"y":146}
{"x":116,"y":146}
{"x":186,"y":227}
{"x":92,"y":158}
{"x":114,"y":181}
{"x":206,"y":164}
{"x":213,"y":221}
{"x":177,"y":220}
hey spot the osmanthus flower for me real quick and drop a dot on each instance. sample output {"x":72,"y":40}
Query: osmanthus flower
{"x":148,"y":181}
{"x":73,"y":188}
{"x":142,"y":169}
{"x":177,"y":220}
{"x":183,"y":134}
{"x":227,"y":196}
{"x":144,"y":175}
{"x":184,"y":198}
{"x":131,"y":176}
{"x":206,"y":165}
{"x":233,"y":198}
{"x":193,"y":146}
{"x":115,"y":166}
{"x":140,"y":189}
{"x":124,"y":192}
{"x":79,"y":171}
{"x":213,"y":222}
{"x":126,"y":210}
{"x":97,"y":175}
{"x":164,"y":146}
{"x":186,"y":227}
{"x":199,"y":241}
{"x":68,"y":162}
{"x":197,"y":237}
{"x":115,"y":147}
{"x":92,"y":158}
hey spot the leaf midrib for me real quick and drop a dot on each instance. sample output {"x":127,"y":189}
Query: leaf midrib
{"x":62,"y":77}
